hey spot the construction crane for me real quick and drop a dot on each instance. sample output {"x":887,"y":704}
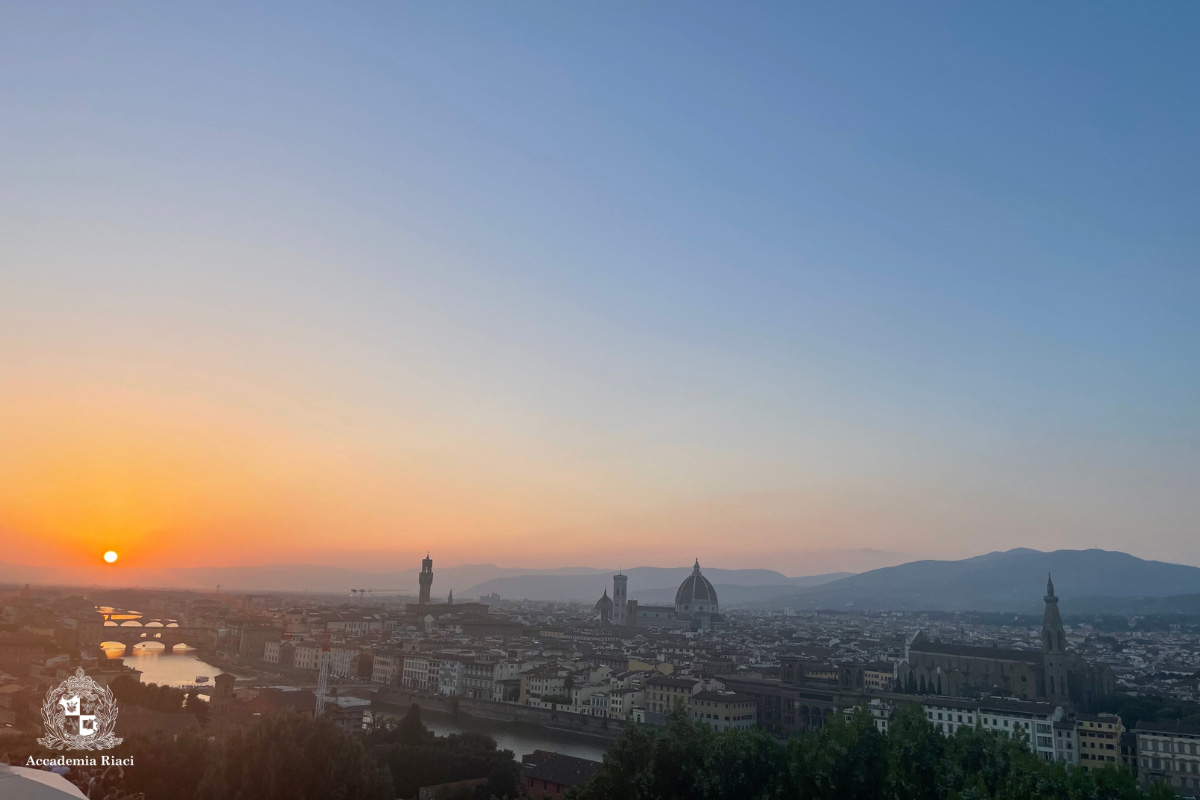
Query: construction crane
{"x":323,"y":680}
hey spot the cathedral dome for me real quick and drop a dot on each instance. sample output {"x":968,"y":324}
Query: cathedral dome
{"x":604,"y":606}
{"x":696,"y":593}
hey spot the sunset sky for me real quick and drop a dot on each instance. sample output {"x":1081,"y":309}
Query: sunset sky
{"x":551,"y":284}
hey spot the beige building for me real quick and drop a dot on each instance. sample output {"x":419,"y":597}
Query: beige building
{"x":621,"y":702}
{"x":387,"y":668}
{"x":664,"y":693}
{"x":879,"y":677}
{"x":723,"y":711}
{"x":1099,"y":740}
{"x":543,"y":682}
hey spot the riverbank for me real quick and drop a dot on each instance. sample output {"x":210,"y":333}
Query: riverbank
{"x":394,"y":701}
{"x":521,"y":738}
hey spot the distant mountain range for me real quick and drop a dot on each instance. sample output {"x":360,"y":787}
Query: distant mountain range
{"x":580,"y":584}
{"x":276,"y":577}
{"x":1013,"y":580}
{"x":1088,"y":581}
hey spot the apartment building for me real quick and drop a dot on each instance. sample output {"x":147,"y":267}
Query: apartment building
{"x":479,"y":678}
{"x":723,"y":711}
{"x":664,"y":693}
{"x":1169,"y":754}
{"x":1021,"y":719}
{"x":420,"y":673}
{"x":948,"y":714}
{"x":387,"y":667}
{"x":1099,"y":740}
{"x":343,"y":660}
{"x":309,"y":655}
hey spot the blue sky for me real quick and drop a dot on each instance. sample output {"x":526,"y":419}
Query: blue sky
{"x":916,"y":277}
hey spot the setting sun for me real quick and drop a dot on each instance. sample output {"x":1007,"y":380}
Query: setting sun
{"x":110,"y":556}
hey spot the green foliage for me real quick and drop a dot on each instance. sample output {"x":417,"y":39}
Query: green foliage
{"x":688,"y":761}
{"x":291,"y":756}
{"x":165,"y":767}
{"x":1152,"y":709}
{"x":194,"y":705}
{"x":415,"y":757}
{"x":846,"y":760}
{"x":281,"y":757}
{"x":147,"y":695}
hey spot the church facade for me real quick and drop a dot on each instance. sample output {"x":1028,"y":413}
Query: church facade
{"x":1055,"y":673}
{"x":695,"y":609}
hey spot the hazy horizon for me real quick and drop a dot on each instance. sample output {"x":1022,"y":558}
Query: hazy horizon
{"x":552,"y":284}
{"x":447,"y":575}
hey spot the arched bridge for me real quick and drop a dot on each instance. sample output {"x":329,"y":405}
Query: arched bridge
{"x":132,"y":635}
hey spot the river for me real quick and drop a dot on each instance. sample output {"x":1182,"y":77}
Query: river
{"x":520,"y":737}
{"x":178,"y":668}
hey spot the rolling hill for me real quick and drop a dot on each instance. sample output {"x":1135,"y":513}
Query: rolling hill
{"x":1012,"y":580}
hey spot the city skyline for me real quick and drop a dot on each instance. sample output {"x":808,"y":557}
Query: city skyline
{"x":736,"y":284}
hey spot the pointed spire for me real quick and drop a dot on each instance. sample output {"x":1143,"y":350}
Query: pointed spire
{"x":1049,"y":585}
{"x":450,"y":599}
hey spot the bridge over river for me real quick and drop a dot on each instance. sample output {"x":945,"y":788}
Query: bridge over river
{"x":169,"y":634}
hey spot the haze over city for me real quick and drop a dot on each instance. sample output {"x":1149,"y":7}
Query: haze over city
{"x":579,"y":285}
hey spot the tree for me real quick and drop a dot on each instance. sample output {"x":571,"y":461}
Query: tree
{"x":166,"y":768}
{"x":843,"y":761}
{"x":290,"y":756}
{"x":428,"y":760}
{"x":914,"y":754}
{"x":194,"y":705}
{"x":133,"y":692}
{"x":411,"y":730}
{"x":688,"y":761}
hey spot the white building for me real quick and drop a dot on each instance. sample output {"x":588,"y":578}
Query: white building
{"x":948,"y":714}
{"x":1021,"y":719}
{"x":308,"y":655}
{"x":420,"y":673}
{"x":451,"y":671}
{"x":342,"y":662}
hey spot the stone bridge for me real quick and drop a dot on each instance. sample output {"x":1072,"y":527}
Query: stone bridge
{"x":168,"y":635}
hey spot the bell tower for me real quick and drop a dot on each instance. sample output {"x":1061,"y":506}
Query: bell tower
{"x":620,"y":612}
{"x":1054,"y":648}
{"x":425,"y":579}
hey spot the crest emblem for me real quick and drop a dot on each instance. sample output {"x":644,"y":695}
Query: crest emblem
{"x":79,"y":714}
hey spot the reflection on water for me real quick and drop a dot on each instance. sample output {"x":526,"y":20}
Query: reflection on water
{"x":166,"y":669}
{"x":521,"y":738}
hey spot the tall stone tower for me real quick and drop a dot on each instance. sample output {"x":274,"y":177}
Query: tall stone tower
{"x":620,"y":612}
{"x":1054,"y":649}
{"x":425,"y":579}
{"x":222,"y":697}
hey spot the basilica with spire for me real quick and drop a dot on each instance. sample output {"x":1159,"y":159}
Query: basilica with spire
{"x":1054,"y":673}
{"x":695,"y":606}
